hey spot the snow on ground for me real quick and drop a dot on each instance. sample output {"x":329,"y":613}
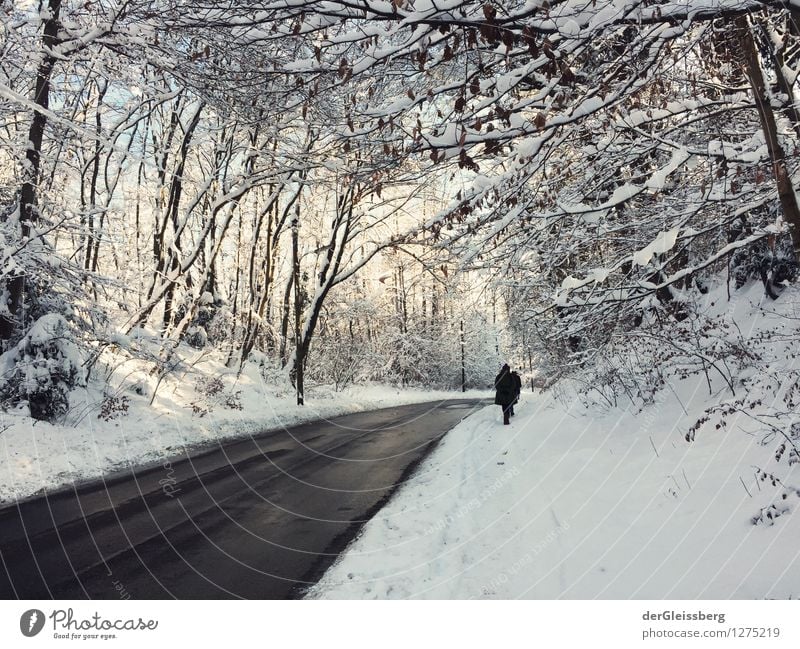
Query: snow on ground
{"x":564,"y":505}
{"x":571,"y":503}
{"x":37,"y":455}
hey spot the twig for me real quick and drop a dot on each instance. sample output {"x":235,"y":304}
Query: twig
{"x":745,"y":487}
{"x":654,"y":446}
{"x":677,"y":486}
{"x":680,"y":403}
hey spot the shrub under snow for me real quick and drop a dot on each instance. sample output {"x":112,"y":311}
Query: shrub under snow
{"x":42,"y":368}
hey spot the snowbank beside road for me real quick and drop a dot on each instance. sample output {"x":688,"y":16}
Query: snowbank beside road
{"x":564,"y":505}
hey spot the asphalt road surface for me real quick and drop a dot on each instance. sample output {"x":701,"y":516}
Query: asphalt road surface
{"x":259,"y":518}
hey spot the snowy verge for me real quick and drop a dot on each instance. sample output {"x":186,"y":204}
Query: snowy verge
{"x":37,"y":455}
{"x":562,"y":505}
{"x":577,"y":502}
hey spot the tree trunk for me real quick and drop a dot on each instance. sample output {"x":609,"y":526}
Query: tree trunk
{"x":788,"y":199}
{"x":28,"y":196}
{"x":463,"y":360}
{"x":261,"y":285}
{"x":327,"y":276}
{"x":299,"y":357}
{"x":160,"y":225}
{"x":173,"y":206}
{"x":285,"y":314}
{"x":95,"y":164}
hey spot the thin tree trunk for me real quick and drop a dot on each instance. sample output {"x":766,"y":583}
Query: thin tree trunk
{"x":160,"y":225}
{"x":261,"y":293}
{"x":28,"y":197}
{"x":175,"y":195}
{"x":98,"y":147}
{"x":299,"y":358}
{"x":463,"y":360}
{"x":235,"y":306}
{"x":788,"y":199}
{"x":285,"y":313}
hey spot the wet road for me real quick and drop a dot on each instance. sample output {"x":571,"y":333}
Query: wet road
{"x":257,"y":518}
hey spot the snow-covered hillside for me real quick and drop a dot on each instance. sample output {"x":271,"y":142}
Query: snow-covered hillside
{"x":573,"y":502}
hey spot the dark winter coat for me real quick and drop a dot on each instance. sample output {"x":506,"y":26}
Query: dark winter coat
{"x":505,"y":388}
{"x":517,"y":385}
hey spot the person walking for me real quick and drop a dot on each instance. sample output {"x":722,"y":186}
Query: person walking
{"x":505,"y":392}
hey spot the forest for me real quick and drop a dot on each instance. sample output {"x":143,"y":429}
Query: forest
{"x":408,"y":192}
